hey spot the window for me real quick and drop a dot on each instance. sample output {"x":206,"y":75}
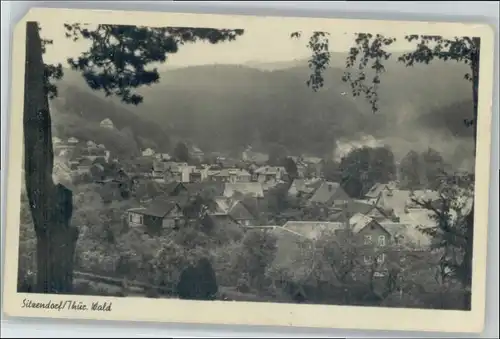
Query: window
{"x":345,"y":258}
{"x":381,"y":258}
{"x":135,"y":218}
{"x":381,"y":240}
{"x":368,"y":239}
{"x":368,"y":259}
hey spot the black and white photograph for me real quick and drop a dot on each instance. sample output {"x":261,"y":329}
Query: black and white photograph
{"x":249,"y":163}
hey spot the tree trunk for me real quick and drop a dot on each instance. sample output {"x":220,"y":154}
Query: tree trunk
{"x":466,"y":266}
{"x":51,"y":205}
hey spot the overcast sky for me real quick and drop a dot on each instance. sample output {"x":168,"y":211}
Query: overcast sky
{"x":256,"y":45}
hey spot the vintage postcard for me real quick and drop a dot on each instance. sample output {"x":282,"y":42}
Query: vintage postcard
{"x":249,"y":170}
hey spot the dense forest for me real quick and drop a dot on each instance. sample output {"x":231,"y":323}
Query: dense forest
{"x":227,"y":107}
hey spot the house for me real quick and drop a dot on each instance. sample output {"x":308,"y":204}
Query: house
{"x":163,"y":156}
{"x":91,"y":144}
{"x":101,"y":146}
{"x":107,"y":123}
{"x":374,"y":192}
{"x":93,"y":153}
{"x":312,"y":229}
{"x":61,"y":172}
{"x":162,"y":214}
{"x":303,"y":187}
{"x":220,"y":176}
{"x":222,"y":204}
{"x":142,"y":166}
{"x":400,"y":202}
{"x":84,"y":166}
{"x":314,"y":165}
{"x":269,"y":173}
{"x":73,"y":141}
{"x":56,"y":141}
{"x":158,"y":170}
{"x":253,"y":189}
{"x":196,"y":176}
{"x":208,"y":189}
{"x":330,"y":194}
{"x":407,"y":236}
{"x":254,"y":157}
{"x":196,"y":153}
{"x":176,"y":171}
{"x":148,"y":152}
{"x":241,"y":214}
{"x":239,"y":175}
{"x":301,"y":166}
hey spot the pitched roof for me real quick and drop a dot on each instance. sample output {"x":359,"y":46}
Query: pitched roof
{"x":311,"y":229}
{"x":312,"y":160}
{"x":171,"y":187}
{"x":270,"y":170}
{"x":222,"y":204}
{"x":250,"y":188}
{"x":327,"y":192}
{"x":399,"y":200}
{"x":256,"y":157}
{"x":359,"y":221}
{"x":212,"y":188}
{"x":407,"y":234}
{"x":161,"y":206}
{"x":355,"y":206}
{"x":305,"y":186}
{"x":239,"y":211}
{"x":85,"y":162}
{"x":418,"y":217}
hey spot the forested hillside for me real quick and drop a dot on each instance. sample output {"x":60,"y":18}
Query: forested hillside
{"x":226,"y":107}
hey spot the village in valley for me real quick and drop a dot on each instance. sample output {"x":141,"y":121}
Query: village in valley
{"x":228,"y":199}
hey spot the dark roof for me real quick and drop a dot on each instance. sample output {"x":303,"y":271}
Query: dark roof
{"x":240,"y":212}
{"x":161,"y":207}
{"x":329,"y":191}
{"x":170,"y":187}
{"x":353,"y":207}
{"x":85,"y":162}
{"x":214,"y":188}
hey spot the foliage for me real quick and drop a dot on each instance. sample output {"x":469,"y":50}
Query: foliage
{"x":364,"y":167}
{"x":434,"y":167}
{"x":291,"y":169}
{"x":276,"y":201}
{"x":181,"y":152}
{"x":332,"y":172}
{"x":410,"y":171}
{"x":257,"y":251}
{"x":198,"y":282}
{"x":453,"y":233}
{"x":367,"y":56}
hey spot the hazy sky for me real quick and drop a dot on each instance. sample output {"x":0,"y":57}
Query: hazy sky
{"x":256,"y":45}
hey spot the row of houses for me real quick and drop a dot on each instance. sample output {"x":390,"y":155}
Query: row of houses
{"x":169,"y":171}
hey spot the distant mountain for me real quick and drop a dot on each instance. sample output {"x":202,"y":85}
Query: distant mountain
{"x":230,"y":106}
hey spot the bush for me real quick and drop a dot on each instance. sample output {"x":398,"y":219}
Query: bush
{"x":198,"y":282}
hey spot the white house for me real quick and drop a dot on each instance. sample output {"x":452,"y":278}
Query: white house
{"x":73,"y":141}
{"x":148,"y":152}
{"x":107,"y":123}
